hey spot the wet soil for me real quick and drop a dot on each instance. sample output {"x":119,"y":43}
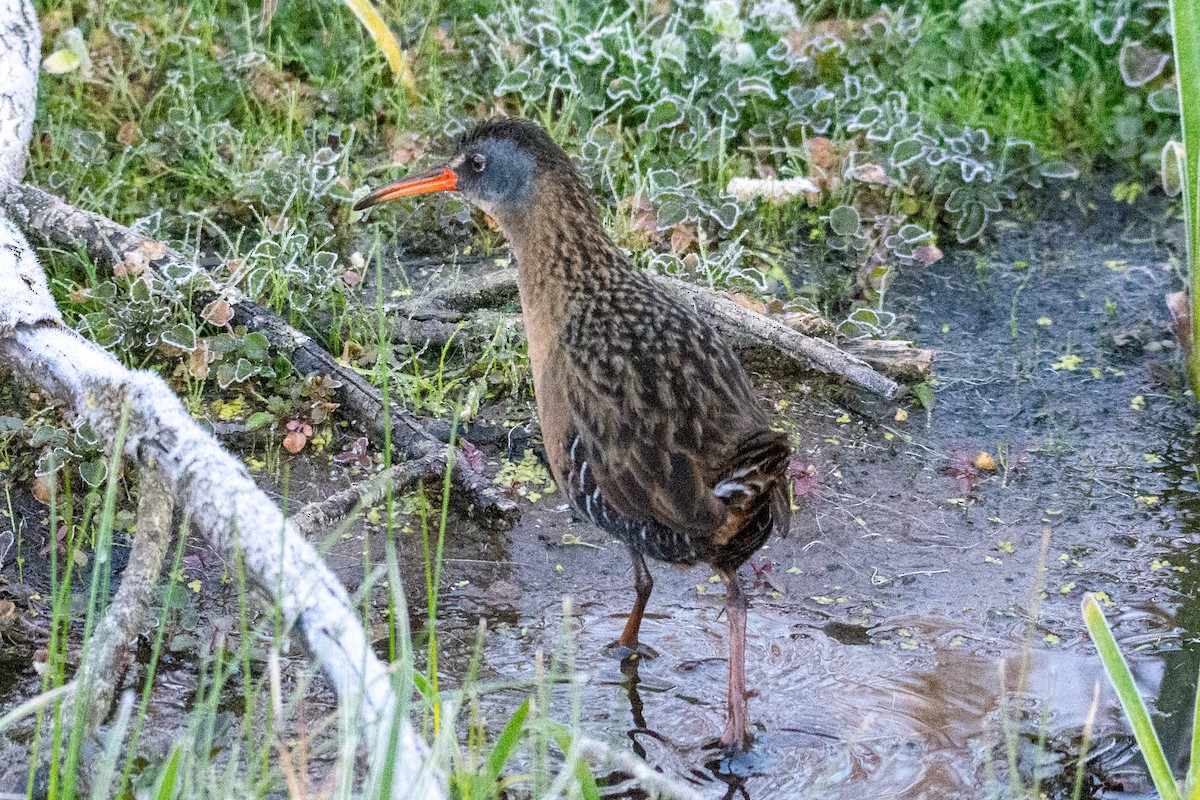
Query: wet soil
{"x":919,"y":630}
{"x":917,"y":634}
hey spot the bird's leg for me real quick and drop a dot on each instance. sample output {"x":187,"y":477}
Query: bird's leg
{"x":737,"y":724}
{"x":628,"y":645}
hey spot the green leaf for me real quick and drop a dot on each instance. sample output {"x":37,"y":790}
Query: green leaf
{"x":1118,"y":673}
{"x":726,"y":214}
{"x":93,"y":472}
{"x":972,"y":222}
{"x":844,"y":220}
{"x":258,"y":419}
{"x":924,"y":393}
{"x":60,"y":62}
{"x":256,"y":347}
{"x":1059,"y":170}
{"x":1171,"y":167}
{"x":665,"y":113}
{"x":244,"y":371}
{"x":70,"y":53}
{"x":907,"y":151}
{"x":223,"y":343}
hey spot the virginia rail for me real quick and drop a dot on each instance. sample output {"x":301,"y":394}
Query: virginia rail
{"x":650,"y":424}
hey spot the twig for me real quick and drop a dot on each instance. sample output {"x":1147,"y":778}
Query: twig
{"x":98,"y":673}
{"x":327,"y":513}
{"x":440,"y":330}
{"x":743,"y":326}
{"x":52,"y":222}
{"x":649,"y":778}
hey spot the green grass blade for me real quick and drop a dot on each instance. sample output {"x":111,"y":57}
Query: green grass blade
{"x":164,"y":789}
{"x":1192,"y":784}
{"x":1185,"y":25}
{"x":507,"y":743}
{"x":587,"y":784}
{"x":1118,"y":673}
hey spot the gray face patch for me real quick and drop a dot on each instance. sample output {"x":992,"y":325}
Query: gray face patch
{"x":506,"y":183}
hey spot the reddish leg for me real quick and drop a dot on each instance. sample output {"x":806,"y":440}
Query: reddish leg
{"x":737,"y":723}
{"x":644,"y":585}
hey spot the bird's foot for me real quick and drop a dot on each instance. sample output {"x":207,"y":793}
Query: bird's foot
{"x":623,"y":652}
{"x":736,"y":738}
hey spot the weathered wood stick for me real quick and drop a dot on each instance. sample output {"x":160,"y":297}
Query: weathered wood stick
{"x":742,"y":326}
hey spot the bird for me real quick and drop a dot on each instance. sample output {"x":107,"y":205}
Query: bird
{"x":649,"y":421}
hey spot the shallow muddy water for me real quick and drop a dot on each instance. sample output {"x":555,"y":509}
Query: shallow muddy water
{"x":903,"y":641}
{"x":918,"y":632}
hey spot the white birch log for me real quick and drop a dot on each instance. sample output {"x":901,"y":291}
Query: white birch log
{"x":214,"y":488}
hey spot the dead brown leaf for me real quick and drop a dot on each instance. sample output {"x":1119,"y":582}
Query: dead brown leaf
{"x":683,"y":236}
{"x":135,"y":263}
{"x":745,"y":301}
{"x":218,"y":313}
{"x":407,"y":148}
{"x":927,"y":254}
{"x":152,"y":250}
{"x":199,"y":359}
{"x":129,"y":133}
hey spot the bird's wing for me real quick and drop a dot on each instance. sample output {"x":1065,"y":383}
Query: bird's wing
{"x":662,"y":415}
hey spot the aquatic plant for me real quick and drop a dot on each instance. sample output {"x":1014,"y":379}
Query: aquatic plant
{"x":1135,"y":710}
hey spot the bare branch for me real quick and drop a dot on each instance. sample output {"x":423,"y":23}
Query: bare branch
{"x":97,"y":675}
{"x":20,"y":49}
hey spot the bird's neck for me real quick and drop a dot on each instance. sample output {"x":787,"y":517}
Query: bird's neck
{"x":563,"y":252}
{"x":564,"y":258}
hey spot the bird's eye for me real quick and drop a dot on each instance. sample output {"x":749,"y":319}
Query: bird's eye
{"x":478,"y":162}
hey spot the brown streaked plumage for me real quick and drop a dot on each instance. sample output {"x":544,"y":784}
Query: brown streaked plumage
{"x":650,"y":424}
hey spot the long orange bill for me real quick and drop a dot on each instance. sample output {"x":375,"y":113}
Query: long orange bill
{"x":438,"y":179}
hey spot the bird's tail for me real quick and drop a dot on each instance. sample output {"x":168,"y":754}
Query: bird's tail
{"x":754,"y":483}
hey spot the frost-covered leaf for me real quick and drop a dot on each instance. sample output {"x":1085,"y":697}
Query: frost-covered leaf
{"x":1059,"y":170}
{"x":661,"y":180}
{"x":182,"y":336}
{"x":244,"y":370}
{"x":1140,"y":64}
{"x":61,"y":62}
{"x":844,"y":220}
{"x":93,"y":472}
{"x":1108,"y":28}
{"x":1171,"y":168}
{"x":70,"y":53}
{"x":726,"y":214}
{"x":972,"y":221}
{"x":1165,"y":99}
{"x":665,"y":113}
{"x":255,"y":347}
